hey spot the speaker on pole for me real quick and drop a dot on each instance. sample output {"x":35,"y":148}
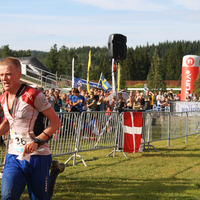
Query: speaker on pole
{"x":117,"y":46}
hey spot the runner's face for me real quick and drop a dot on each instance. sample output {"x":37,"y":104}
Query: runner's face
{"x":10,"y":77}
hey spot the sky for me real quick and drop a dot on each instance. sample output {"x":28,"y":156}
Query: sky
{"x":39,"y":24}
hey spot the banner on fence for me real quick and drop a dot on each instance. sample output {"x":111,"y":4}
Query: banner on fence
{"x":132,"y":131}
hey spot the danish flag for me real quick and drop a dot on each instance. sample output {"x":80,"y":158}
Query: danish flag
{"x":132,"y":129}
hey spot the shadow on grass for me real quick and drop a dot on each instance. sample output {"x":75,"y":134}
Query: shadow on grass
{"x":125,"y":189}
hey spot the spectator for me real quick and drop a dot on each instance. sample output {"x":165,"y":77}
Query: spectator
{"x":102,"y":102}
{"x":92,"y":103}
{"x":112,"y":103}
{"x":71,"y":94}
{"x":46,"y":92}
{"x":121,"y":103}
{"x":152,"y":99}
{"x":194,"y":97}
{"x":57,"y":101}
{"x":163,"y":103}
{"x":131,"y":100}
{"x":188,"y":97}
{"x":78,"y":101}
{"x":50,"y":97}
{"x":176,"y":97}
{"x":147,"y":100}
{"x":64,"y":103}
{"x":96,"y":96}
{"x":79,"y":89}
{"x":141,"y":101}
{"x":158,"y":100}
{"x":171,"y":93}
{"x":85,"y":95}
{"x":155,"y":97}
{"x":58,"y":91}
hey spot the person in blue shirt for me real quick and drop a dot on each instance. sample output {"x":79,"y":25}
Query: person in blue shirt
{"x":78,"y":101}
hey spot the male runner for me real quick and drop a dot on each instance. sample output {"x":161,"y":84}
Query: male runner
{"x":29,"y":158}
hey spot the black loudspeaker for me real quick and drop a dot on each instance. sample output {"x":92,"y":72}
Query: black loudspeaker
{"x":117,"y":46}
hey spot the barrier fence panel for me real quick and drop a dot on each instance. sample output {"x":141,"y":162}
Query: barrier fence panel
{"x":64,"y":140}
{"x":97,"y":130}
{"x":193,"y":123}
{"x":178,"y":125}
{"x":169,"y":125}
{"x":155,"y":126}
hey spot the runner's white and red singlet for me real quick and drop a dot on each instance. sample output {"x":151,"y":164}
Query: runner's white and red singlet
{"x":25,"y":119}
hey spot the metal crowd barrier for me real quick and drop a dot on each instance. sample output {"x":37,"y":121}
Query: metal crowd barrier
{"x":169,"y":125}
{"x":95,"y":130}
{"x":99,"y":130}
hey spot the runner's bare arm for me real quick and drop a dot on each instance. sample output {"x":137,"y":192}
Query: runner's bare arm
{"x":49,"y":130}
{"x":4,"y":127}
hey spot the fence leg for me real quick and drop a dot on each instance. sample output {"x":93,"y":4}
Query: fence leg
{"x":74,"y":159}
{"x":116,"y":148}
{"x":149,"y":132}
{"x":114,"y":153}
{"x":78,"y":132}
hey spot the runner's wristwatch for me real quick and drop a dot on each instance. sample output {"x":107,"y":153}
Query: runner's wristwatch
{"x":38,"y":141}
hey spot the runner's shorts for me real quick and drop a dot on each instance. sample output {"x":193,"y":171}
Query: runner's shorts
{"x":18,"y":173}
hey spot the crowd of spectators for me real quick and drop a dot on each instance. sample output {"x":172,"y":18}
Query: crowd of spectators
{"x":78,"y":100}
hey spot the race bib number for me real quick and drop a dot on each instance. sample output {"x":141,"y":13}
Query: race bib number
{"x":20,"y":140}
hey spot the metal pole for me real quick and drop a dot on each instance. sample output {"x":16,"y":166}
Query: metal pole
{"x":187,"y":128}
{"x":169,"y":127}
{"x":116,"y":86}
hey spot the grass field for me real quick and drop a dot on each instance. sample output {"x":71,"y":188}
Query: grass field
{"x":170,"y":174}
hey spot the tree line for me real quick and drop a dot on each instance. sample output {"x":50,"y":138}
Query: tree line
{"x":154,"y":63}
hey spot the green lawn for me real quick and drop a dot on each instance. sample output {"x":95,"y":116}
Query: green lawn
{"x":172,"y":173}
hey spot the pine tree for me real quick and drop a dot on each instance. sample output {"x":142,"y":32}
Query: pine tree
{"x":179,"y":57}
{"x":170,"y":65}
{"x":62,"y":61}
{"x":197,"y":85}
{"x":128,"y":66}
{"x":154,"y":79}
{"x":52,"y":59}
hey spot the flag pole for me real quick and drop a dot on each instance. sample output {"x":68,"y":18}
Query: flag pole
{"x":118,"y":77}
{"x":99,"y":79}
{"x":73,"y":73}
{"x":116,"y":86}
{"x":89,"y":64}
{"x":113,"y":75}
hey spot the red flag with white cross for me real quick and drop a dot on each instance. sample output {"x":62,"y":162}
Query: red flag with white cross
{"x":132,"y":129}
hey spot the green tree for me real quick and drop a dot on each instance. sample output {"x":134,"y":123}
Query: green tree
{"x":154,"y":79}
{"x":178,"y":62}
{"x":63,"y":61}
{"x":128,"y":66}
{"x":22,"y":53}
{"x":146,"y":61}
{"x":52,"y":59}
{"x":170,"y":65}
{"x":139,"y":72}
{"x":5,"y":51}
{"x":105,"y":68}
{"x":197,"y":85}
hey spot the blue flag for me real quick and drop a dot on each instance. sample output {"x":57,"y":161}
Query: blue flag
{"x":104,"y":83}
